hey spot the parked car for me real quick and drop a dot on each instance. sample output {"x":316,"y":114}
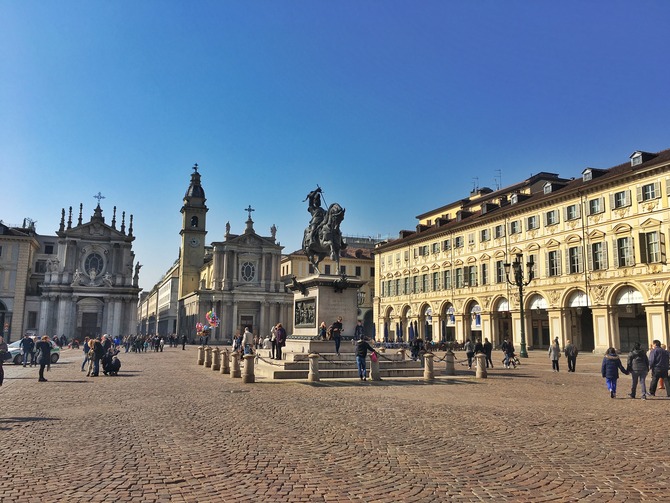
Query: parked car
{"x":17,"y":357}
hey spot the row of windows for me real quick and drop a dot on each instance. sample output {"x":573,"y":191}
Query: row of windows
{"x":652,"y":250}
{"x":343,"y":270}
{"x":621,"y":199}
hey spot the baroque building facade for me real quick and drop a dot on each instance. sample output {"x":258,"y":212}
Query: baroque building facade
{"x":597,"y":248}
{"x":80,"y":282}
{"x":237,"y":277}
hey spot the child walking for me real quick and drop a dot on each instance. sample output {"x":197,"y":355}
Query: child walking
{"x":610,"y":370}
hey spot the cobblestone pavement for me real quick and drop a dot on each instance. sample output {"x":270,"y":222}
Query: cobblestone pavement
{"x":167,"y":429}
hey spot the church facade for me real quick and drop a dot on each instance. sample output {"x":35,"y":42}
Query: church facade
{"x":80,"y":282}
{"x":238,"y":277}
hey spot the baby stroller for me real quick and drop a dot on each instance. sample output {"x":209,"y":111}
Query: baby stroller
{"x":111,"y":364}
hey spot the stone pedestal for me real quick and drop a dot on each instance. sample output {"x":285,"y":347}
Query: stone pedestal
{"x":374,"y":369}
{"x":323,"y":298}
{"x":235,"y":367}
{"x":225,"y":361}
{"x":428,"y":373}
{"x":480,"y":366}
{"x":208,"y":357}
{"x":216,"y":359}
{"x":249,"y":376}
{"x":313,"y":375}
{"x":449,"y":358}
{"x":201,"y":355}
{"x":403,"y":354}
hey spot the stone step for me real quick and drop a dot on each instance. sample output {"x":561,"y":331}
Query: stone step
{"x":338,"y":374}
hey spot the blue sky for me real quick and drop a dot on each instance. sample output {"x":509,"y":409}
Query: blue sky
{"x":393,"y":107}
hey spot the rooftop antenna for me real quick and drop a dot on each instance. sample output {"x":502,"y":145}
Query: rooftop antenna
{"x":498,"y":178}
{"x":475,"y":183}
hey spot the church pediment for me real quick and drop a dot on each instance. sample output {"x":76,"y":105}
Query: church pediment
{"x":250,"y":239}
{"x":95,"y":230}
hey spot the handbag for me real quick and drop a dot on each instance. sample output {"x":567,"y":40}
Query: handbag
{"x":6,"y":355}
{"x":373,"y":357}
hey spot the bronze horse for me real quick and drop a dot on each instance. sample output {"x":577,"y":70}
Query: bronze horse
{"x":325,"y":239}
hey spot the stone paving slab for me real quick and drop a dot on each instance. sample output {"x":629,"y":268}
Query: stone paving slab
{"x":169,"y":430}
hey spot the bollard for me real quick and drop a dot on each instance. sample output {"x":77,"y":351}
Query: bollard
{"x":201,"y":355}
{"x":402,"y":352}
{"x":216,"y":359}
{"x":225,"y":361}
{"x":208,"y":357}
{"x":235,"y":367}
{"x":374,"y":369}
{"x":449,"y":359}
{"x":428,"y":374}
{"x":249,"y":376}
{"x":480,"y":366}
{"x":313,"y":375}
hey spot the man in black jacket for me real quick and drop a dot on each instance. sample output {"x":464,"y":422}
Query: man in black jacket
{"x":659,"y":361}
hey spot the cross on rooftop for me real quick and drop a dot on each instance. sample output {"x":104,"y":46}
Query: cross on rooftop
{"x":249,"y":209}
{"x":99,"y":196}
{"x":195,"y":167}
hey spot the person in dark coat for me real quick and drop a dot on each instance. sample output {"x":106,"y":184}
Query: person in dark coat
{"x":43,"y":357}
{"x":638,"y":366}
{"x":362,"y":348}
{"x":4,"y":351}
{"x":98,"y":353}
{"x":571,"y":352}
{"x":183,"y":342}
{"x":488,"y":350}
{"x":659,"y":362}
{"x":281,"y":339}
{"x":610,"y":370}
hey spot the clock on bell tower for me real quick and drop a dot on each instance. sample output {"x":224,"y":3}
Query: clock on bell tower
{"x":193,"y":232}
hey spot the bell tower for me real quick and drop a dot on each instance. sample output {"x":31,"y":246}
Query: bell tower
{"x":192,"y":253}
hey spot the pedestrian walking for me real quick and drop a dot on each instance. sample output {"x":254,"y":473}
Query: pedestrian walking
{"x":571,"y":352}
{"x":469,"y":352}
{"x":183,"y":342}
{"x":27,"y":346}
{"x":554,"y":355}
{"x":86,"y":349}
{"x":659,"y":361}
{"x":4,"y":351}
{"x":359,"y":332}
{"x":508,"y":351}
{"x":488,"y":350}
{"x":43,"y":357}
{"x":610,"y":370}
{"x":638,"y":366}
{"x":336,"y":333}
{"x":273,"y":342}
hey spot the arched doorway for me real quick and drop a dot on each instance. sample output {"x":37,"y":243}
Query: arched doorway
{"x":502,"y":322}
{"x":632,"y":319}
{"x":475,"y":325}
{"x":540,"y":335}
{"x":448,"y":323}
{"x":580,"y":321}
{"x":427,"y":323}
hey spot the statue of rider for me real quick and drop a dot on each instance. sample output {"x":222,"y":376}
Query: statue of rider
{"x":317,"y":212}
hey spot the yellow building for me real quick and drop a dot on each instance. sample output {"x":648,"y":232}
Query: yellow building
{"x":597,"y":248}
{"x":356,"y":260}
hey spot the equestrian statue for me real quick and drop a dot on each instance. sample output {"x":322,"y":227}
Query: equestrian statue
{"x":323,"y":237}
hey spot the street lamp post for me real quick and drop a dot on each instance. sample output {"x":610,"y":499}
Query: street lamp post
{"x":518,"y":280}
